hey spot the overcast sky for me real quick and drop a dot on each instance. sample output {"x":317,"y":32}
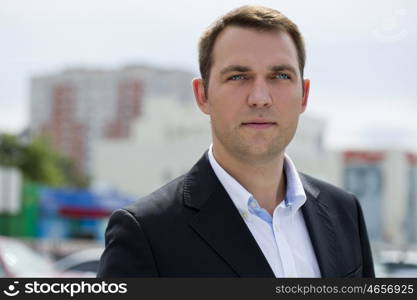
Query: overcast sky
{"x":361,"y":55}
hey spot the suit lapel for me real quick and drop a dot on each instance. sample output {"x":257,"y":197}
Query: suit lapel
{"x":321,"y":230}
{"x":219,"y":223}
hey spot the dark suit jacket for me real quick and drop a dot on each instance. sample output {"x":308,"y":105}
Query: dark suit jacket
{"x":191,"y":228}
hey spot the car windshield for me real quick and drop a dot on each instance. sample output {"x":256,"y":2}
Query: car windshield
{"x":21,"y":260}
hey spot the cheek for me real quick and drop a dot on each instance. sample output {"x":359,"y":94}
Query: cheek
{"x":223,"y":114}
{"x":287,"y":90}
{"x":288,"y":100}
{"x":225,"y":106}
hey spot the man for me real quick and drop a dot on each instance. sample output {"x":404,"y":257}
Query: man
{"x":243,"y":210}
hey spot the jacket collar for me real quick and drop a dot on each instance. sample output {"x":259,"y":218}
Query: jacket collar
{"x":199,"y":183}
{"x":320,"y":227}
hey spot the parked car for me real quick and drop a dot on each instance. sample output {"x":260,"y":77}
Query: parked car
{"x":398,"y":263}
{"x":19,"y":260}
{"x":404,"y":271}
{"x":81,"y":261}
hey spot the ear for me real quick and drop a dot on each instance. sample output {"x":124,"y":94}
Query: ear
{"x":200,"y":95}
{"x":306,"y":89}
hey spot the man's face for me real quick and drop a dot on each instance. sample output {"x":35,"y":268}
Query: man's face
{"x":255,"y":93}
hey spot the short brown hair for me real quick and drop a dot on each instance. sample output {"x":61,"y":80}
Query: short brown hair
{"x":256,"y":17}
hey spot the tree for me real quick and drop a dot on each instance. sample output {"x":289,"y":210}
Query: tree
{"x":39,"y":163}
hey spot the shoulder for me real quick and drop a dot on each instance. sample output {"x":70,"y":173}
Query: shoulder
{"x":161,"y":201}
{"x":317,"y":185}
{"x":171,"y":202}
{"x":342,"y":206}
{"x":328,"y":194}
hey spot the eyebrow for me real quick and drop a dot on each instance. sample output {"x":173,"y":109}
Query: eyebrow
{"x":284,"y":67}
{"x":234,"y":68}
{"x":240,"y":68}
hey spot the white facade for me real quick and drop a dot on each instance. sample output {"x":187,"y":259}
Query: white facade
{"x":166,"y":143}
{"x":309,"y":154}
{"x":10,"y":190}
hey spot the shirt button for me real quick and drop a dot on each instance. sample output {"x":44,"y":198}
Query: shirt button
{"x":244,"y":215}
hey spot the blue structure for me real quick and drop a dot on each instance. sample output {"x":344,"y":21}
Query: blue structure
{"x":70,"y":213}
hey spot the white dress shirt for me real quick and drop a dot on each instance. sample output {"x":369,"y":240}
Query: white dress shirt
{"x":282,"y":237}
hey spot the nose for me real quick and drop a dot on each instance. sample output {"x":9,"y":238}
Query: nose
{"x":259,"y":95}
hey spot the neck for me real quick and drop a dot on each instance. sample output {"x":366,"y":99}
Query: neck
{"x":265,"y":180}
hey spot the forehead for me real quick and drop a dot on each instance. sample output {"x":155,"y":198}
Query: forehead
{"x":253,"y":48}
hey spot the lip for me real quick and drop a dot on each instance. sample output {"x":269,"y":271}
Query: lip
{"x":259,"y":124}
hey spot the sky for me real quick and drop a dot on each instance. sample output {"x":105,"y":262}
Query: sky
{"x":361,"y":55}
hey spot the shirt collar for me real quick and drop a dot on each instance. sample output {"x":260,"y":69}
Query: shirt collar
{"x":236,"y":191}
{"x":295,"y":196}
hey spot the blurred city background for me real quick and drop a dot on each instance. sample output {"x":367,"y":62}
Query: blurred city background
{"x":97,"y":110}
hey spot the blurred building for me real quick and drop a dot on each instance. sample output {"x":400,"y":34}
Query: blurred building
{"x":166,"y":142}
{"x":10,"y":187}
{"x":385,"y":182}
{"x":308,"y":151}
{"x":77,"y":107}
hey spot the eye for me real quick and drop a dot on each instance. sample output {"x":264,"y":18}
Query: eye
{"x":237,"y":77}
{"x":282,"y":76}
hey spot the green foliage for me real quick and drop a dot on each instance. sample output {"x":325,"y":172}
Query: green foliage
{"x":39,"y":163}
{"x":10,"y":150}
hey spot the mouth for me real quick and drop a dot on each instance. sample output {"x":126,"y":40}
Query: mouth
{"x":259,"y":124}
